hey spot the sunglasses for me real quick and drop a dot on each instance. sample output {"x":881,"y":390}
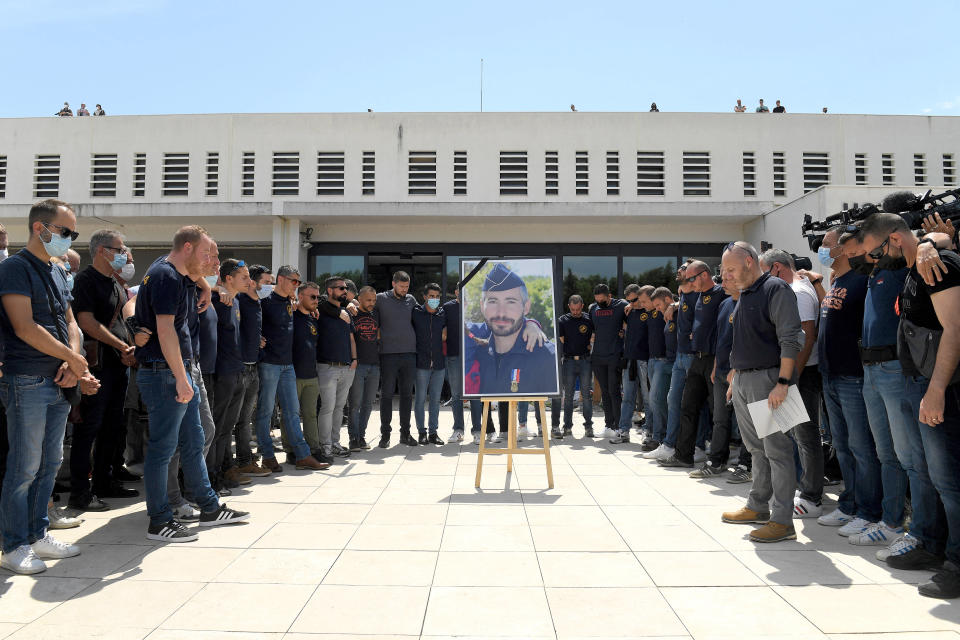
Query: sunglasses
{"x":341,"y":288}
{"x":877,"y":253}
{"x":693,"y":278}
{"x":293,"y":280}
{"x":63,"y":232}
{"x":631,"y":300}
{"x":118,"y":249}
{"x":313,"y":297}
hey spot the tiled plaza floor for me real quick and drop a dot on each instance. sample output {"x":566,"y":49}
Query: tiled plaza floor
{"x":397,"y":543}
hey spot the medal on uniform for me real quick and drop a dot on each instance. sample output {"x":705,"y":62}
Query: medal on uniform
{"x":515,"y":380}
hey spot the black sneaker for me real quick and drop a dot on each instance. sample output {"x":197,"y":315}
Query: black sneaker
{"x":384,"y":442}
{"x":675,"y":462}
{"x":223,"y":515}
{"x":171,"y":531}
{"x":588,"y":432}
{"x":124,"y":475}
{"x":363,"y":444}
{"x":918,"y":559}
{"x":434,"y":439}
{"x":568,"y":431}
{"x":622,"y":437}
{"x":649,"y":444}
{"x":355,"y":446}
{"x":323,"y":458}
{"x":115,"y":490}
{"x":339,"y":451}
{"x":87,"y":502}
{"x":944,"y":584}
{"x":556,"y":433}
{"x":408,"y":440}
{"x":740,"y":475}
{"x":706,"y":470}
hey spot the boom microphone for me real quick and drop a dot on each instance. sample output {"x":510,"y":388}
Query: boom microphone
{"x":900,"y":201}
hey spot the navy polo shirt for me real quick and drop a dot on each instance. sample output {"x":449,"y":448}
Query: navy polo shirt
{"x":724,"y":334}
{"x":655,"y":339}
{"x":278,"y":329}
{"x":305,"y":333}
{"x":452,"y":314}
{"x":209,"y":344}
{"x":534,"y":371}
{"x":684,"y":318}
{"x":880,"y":317}
{"x":766,"y":325}
{"x":428,"y":328}
{"x":333,"y":345}
{"x":607,"y":324}
{"x":165,"y":292}
{"x":18,"y":276}
{"x":228,"y":336}
{"x":251,"y":319}
{"x":576,"y":333}
{"x":636,"y":344}
{"x":705,"y":320}
{"x":670,"y":339}
{"x":841,"y":325}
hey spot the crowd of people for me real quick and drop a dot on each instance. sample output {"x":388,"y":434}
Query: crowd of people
{"x":183,"y":374}
{"x":67,"y":112}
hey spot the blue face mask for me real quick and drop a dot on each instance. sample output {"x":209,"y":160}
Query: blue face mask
{"x":70,"y":281}
{"x":433,"y":303}
{"x":118,"y":261}
{"x":823,"y":254}
{"x":57,"y":246}
{"x":211,"y":280}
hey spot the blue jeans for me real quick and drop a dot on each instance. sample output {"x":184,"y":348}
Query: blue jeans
{"x":573,"y":369}
{"x":660,"y":371}
{"x":523,"y":408}
{"x":630,"y":388}
{"x":36,"y":421}
{"x":941,"y":446}
{"x":883,"y":396}
{"x":428,"y":381}
{"x":856,"y":452}
{"x":279,"y":379}
{"x":929,"y":523}
{"x":455,"y":379}
{"x":678,"y":380}
{"x":172,"y":423}
{"x":363,"y":392}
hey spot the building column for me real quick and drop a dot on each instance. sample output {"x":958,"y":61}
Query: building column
{"x":286,"y":243}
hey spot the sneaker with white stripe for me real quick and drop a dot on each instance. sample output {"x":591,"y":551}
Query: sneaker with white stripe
{"x":171,"y":531}
{"x":878,"y":533}
{"x":223,"y":515}
{"x":803,"y":508}
{"x":902,"y":545}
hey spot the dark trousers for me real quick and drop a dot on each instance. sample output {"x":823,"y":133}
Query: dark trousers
{"x":243,"y":432}
{"x":807,"y":436}
{"x":227,"y":403}
{"x":608,"y":377}
{"x":697,"y":392}
{"x":396,"y":369}
{"x":724,"y":418}
{"x":101,"y":429}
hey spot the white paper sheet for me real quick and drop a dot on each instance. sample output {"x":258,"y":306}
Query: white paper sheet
{"x":787,"y":415}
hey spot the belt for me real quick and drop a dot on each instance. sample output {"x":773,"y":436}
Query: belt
{"x":757,"y":369}
{"x":334,"y":364}
{"x":250,"y":364}
{"x":702,"y":354}
{"x":576,"y":357}
{"x":876,"y":355}
{"x":160,"y":365}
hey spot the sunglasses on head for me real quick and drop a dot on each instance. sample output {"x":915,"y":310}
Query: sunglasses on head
{"x":877,"y":253}
{"x":63,"y":232}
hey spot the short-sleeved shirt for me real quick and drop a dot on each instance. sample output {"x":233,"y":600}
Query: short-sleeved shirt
{"x":809,"y":307}
{"x":880,"y":317}
{"x":686,"y":309}
{"x":841,"y":325}
{"x":277,"y":328}
{"x":607,"y":325}
{"x":164,"y":292}
{"x":428,"y":328}
{"x":18,"y":276}
{"x":333,"y":345}
{"x":228,"y":358}
{"x":916,"y":304}
{"x":251,"y":320}
{"x":576,"y":334}
{"x":704,"y":328}
{"x":100,"y":296}
{"x":724,"y":335}
{"x":306,"y":331}
{"x":454,"y":318}
{"x":636,"y":341}
{"x":655,"y":338}
{"x":365,"y":332}
{"x":396,"y":330}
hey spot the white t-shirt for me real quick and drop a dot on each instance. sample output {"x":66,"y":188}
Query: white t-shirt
{"x":809,"y":307}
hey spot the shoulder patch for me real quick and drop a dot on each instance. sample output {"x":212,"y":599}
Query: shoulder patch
{"x":706,"y":299}
{"x":583,"y":328}
{"x":684,"y":307}
{"x":644,"y":316}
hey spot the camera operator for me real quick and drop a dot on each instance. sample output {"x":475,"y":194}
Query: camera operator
{"x":929,"y":313}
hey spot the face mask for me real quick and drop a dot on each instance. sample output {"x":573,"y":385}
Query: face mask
{"x":127,"y":271}
{"x":433,"y":303}
{"x":859,"y":264}
{"x":823,"y":254}
{"x":604,"y":303}
{"x":70,"y":281}
{"x":891,"y":263}
{"x":265,"y":291}
{"x":118,"y":261}
{"x":211,"y":280}
{"x":57,"y":246}
{"x":3,"y":255}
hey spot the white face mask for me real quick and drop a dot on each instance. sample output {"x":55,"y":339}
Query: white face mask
{"x":265,"y":291}
{"x":128,"y":271}
{"x":211,"y":280}
{"x":3,"y":255}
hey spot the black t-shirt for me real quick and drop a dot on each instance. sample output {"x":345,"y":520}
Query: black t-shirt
{"x":636,"y":342}
{"x":576,"y":334}
{"x":452,"y":314}
{"x":207,"y":337}
{"x":607,"y":325}
{"x":841,"y":325}
{"x":365,"y":329}
{"x":684,"y":320}
{"x":705,"y":320}
{"x":333,"y":345}
{"x":915,"y":303}
{"x":277,"y":329}
{"x":251,"y":319}
{"x":725,"y":334}
{"x":655,"y":337}
{"x":100,"y":295}
{"x":228,"y":359}
{"x":305,"y":333}
{"x":670,"y":339}
{"x":164,"y":292}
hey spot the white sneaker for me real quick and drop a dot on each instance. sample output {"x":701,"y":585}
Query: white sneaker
{"x":22,"y":560}
{"x":498,"y":437}
{"x":699,"y":455}
{"x":806,"y":509}
{"x":665,"y":452}
{"x":835,"y":518}
{"x":50,"y":547}
{"x":609,"y":433}
{"x":655,"y":454}
{"x":522,"y":433}
{"x":855,"y":526}
{"x":186,"y":513}
{"x":60,"y":518}
{"x":903,"y":544}
{"x":492,"y":437}
{"x":877,"y":534}
{"x":456,"y":436}
{"x":476,"y":439}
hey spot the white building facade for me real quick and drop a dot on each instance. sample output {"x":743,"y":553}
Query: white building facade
{"x":619,"y":196}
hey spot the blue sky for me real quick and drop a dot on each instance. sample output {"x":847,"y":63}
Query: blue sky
{"x":140,"y":56}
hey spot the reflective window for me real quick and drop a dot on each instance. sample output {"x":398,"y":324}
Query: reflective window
{"x":657,"y":271}
{"x":582,"y":273}
{"x":350,"y":267}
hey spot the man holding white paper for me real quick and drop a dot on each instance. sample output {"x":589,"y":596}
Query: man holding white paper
{"x":766,"y":326}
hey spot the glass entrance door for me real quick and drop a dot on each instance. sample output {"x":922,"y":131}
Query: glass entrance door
{"x":422,"y":267}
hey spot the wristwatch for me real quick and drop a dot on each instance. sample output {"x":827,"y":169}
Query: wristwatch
{"x":783,"y":381}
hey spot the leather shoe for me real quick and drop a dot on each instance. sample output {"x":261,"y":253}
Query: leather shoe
{"x":384,"y":442}
{"x":312,"y":463}
{"x":422,"y":439}
{"x":408,"y":440}
{"x":123,"y":475}
{"x":271,"y":465}
{"x":435,"y":439}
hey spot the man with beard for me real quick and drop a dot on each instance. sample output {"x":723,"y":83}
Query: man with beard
{"x":506,"y":366}
{"x":336,"y":365}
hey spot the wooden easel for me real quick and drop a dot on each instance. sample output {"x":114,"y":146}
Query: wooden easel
{"x":512,"y":435}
